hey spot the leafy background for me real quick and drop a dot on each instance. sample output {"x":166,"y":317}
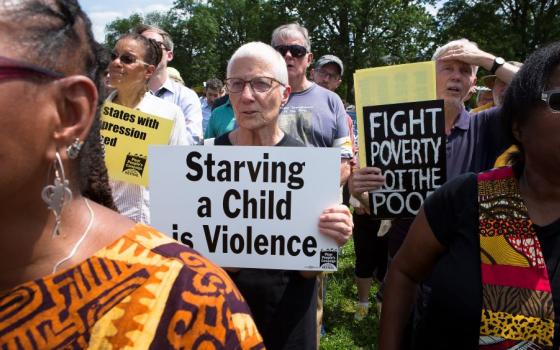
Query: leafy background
{"x":363,"y":33}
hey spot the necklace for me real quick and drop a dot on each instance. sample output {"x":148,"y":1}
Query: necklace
{"x":82,"y":238}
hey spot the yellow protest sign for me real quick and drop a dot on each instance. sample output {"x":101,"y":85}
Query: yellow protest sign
{"x":392,"y":84}
{"x":126,"y":134}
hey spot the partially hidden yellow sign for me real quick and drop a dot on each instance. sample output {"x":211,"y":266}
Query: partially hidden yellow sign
{"x":126,"y":134}
{"x":411,"y":82}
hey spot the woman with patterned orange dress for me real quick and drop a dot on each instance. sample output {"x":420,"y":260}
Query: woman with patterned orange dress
{"x":75,"y":274}
{"x":491,"y":241}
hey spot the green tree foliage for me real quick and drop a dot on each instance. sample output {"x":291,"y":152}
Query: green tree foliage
{"x":363,"y":33}
{"x":509,"y":28}
{"x":366,"y":33}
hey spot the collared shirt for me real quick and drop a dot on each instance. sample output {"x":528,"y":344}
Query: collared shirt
{"x":206,"y":113}
{"x":133,"y":201}
{"x":187,"y":100}
{"x":475,"y":142}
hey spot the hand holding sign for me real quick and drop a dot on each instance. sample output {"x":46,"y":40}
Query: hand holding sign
{"x":365,"y":179}
{"x":336,"y":222}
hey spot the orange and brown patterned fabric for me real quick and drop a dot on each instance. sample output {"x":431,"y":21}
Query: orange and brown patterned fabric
{"x":517,"y":308}
{"x":144,"y":291}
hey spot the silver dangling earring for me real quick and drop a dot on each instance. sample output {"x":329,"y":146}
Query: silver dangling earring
{"x":74,"y":149}
{"x":58,"y":194}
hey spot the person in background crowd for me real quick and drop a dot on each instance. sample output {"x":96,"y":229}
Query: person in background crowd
{"x":133,"y":62}
{"x":164,"y":87}
{"x":175,"y":75}
{"x":313,"y":114}
{"x":74,"y":274}
{"x":473,"y":141}
{"x":328,"y":72}
{"x":497,"y":87}
{"x":484,"y":99}
{"x":282,"y":302}
{"x":490,"y":241}
{"x":213,"y":89}
{"x":221,"y":120}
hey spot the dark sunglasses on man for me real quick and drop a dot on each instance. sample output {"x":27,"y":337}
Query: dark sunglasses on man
{"x":552,"y":99}
{"x":296,"y":51}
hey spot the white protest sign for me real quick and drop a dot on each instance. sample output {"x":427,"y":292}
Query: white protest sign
{"x":254,"y":207}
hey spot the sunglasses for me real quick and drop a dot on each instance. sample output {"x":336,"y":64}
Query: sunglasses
{"x":162,"y":45}
{"x":14,"y":69}
{"x":552,"y":99}
{"x":296,"y":51}
{"x":126,"y":58}
{"x":258,"y":84}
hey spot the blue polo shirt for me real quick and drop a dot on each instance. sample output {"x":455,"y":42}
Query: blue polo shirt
{"x":475,"y":142}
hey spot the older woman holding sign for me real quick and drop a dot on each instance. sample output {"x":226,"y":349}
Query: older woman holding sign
{"x":491,"y":240}
{"x":133,"y":61}
{"x":282,"y":302}
{"x":73,"y":273}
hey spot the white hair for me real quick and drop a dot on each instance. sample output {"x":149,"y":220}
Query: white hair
{"x":456,"y":44}
{"x":265,"y":53}
{"x":288,"y":31}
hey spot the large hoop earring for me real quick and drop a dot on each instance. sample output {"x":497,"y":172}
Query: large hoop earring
{"x":57,"y":194}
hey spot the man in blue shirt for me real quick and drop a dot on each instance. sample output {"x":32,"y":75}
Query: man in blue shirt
{"x":163,"y":87}
{"x":213,"y":89}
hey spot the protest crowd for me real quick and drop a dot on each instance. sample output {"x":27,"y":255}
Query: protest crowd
{"x":458,"y":222}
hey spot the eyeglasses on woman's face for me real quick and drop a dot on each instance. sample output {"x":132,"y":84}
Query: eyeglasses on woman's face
{"x":13,"y":69}
{"x":126,"y":58}
{"x":258,"y":84}
{"x":552,"y":99}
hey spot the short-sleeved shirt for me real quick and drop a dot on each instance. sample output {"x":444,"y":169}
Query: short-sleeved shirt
{"x":475,"y":142}
{"x":452,"y":317}
{"x":189,"y":103}
{"x":222,"y":120}
{"x":316,"y":117}
{"x":283,"y":303}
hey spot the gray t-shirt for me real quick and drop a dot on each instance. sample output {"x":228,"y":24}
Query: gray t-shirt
{"x":316,"y":117}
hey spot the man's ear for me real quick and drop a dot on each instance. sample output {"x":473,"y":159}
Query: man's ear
{"x":169,"y":55}
{"x":77,"y":104}
{"x":309,"y":59}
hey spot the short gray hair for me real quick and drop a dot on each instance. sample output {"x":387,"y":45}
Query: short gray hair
{"x":287,"y":31}
{"x":263,"y":52}
{"x":455,"y":44}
